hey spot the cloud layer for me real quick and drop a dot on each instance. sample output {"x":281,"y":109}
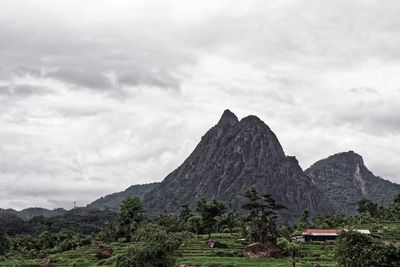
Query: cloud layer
{"x":99,"y":95}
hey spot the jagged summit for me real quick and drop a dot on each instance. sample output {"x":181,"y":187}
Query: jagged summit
{"x":344,"y":179}
{"x":228,"y":117}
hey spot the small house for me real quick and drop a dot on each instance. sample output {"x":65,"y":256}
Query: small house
{"x":320,"y":234}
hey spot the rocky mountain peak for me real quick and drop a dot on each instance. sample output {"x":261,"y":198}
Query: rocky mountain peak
{"x":349,"y":157}
{"x":228,"y":118}
{"x":232,"y":157}
{"x":345,"y":180}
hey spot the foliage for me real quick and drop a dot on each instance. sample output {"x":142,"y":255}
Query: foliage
{"x":170,"y":222}
{"x":356,"y":249}
{"x":367,"y":206}
{"x":130,"y":216}
{"x":194,"y":223}
{"x":262,"y":216}
{"x":290,"y":246}
{"x":4,"y":242}
{"x":157,"y":252}
{"x":185,"y":213}
{"x":37,"y":246}
{"x":150,"y":233}
{"x":333,"y":220}
{"x":80,"y":220}
{"x":209,"y":212}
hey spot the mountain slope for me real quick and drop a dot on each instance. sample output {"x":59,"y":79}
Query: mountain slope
{"x":113,"y":201}
{"x":344,"y":180}
{"x":230,"y":158}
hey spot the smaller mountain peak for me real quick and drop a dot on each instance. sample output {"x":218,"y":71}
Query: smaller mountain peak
{"x":350,"y":156}
{"x":228,"y":117}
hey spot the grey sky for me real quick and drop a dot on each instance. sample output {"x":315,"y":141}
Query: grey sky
{"x":98,"y":95}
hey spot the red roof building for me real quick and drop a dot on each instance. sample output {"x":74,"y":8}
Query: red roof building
{"x":320,"y":234}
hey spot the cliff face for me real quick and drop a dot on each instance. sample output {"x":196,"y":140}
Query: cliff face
{"x":344,"y":180}
{"x":230,"y":158}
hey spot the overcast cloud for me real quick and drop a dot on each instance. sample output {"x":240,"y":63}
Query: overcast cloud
{"x":98,"y":95}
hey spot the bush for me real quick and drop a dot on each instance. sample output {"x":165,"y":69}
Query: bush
{"x":150,"y":255}
{"x":356,"y":249}
{"x":157,"y":250}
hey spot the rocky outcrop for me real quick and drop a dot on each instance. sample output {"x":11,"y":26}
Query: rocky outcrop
{"x":104,"y":253}
{"x":260,"y":251}
{"x":344,"y":180}
{"x":232,"y":157}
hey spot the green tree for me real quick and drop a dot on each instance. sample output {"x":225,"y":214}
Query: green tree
{"x":209,"y":212}
{"x":262,"y":216}
{"x":396,"y":199}
{"x":289,"y":245}
{"x":367,"y":206}
{"x":130,"y":216}
{"x":254,"y":207}
{"x":228,"y":221}
{"x":194,"y":223}
{"x":4,"y":242}
{"x":267,"y":223}
{"x":304,"y":219}
{"x":156,"y":248}
{"x":185,"y":213}
{"x":170,"y":222}
{"x":354,"y":249}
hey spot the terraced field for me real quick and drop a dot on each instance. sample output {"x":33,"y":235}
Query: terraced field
{"x":197,"y":252}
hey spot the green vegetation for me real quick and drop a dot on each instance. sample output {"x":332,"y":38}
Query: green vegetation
{"x":133,"y":239}
{"x":356,"y":249}
{"x":261,"y":220}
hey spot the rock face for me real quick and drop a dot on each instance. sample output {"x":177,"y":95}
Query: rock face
{"x":344,"y":180}
{"x":259,"y":251}
{"x":232,"y":157}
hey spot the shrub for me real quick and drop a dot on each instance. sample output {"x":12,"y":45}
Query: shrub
{"x":156,"y":252}
{"x":149,"y":255}
{"x":356,"y":249}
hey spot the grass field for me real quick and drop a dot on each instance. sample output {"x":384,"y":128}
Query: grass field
{"x":196,"y":252}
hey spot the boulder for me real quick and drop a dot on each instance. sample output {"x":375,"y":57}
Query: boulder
{"x":259,"y":251}
{"x":216,"y":244}
{"x":327,"y":248}
{"x":104,"y":253}
{"x":46,"y":263}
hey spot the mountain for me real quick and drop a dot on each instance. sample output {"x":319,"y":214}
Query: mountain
{"x":232,"y":157}
{"x":29,"y":213}
{"x":80,"y":220}
{"x":344,"y":180}
{"x":113,"y":201}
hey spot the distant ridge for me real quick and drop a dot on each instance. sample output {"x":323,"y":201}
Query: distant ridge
{"x":29,"y":213}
